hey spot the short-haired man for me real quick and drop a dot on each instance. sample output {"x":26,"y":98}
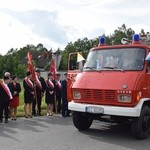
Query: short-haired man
{"x":65,"y":111}
{"x":5,"y":97}
{"x":40,"y":89}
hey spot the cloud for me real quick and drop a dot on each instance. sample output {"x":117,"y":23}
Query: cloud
{"x":42,"y":23}
{"x":55,"y":23}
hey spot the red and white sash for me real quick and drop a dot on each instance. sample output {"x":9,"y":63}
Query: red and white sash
{"x":58,"y":84}
{"x":38,"y":83}
{"x":7,"y":90}
{"x":50,"y":83}
{"x":29,"y":83}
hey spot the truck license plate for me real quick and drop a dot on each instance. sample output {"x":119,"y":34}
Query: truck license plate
{"x":95,"y":110}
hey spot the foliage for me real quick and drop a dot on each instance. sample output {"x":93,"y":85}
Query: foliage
{"x":21,"y":70}
{"x":15,"y":61}
{"x":81,"y":45}
{"x":121,"y":32}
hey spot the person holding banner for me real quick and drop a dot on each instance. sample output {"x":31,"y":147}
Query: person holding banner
{"x":28,"y":94}
{"x":40,"y":89}
{"x":50,"y":94}
{"x":58,"y":92}
{"x":5,"y":97}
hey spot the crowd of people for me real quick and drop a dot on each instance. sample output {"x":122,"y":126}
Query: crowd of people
{"x":55,"y":92}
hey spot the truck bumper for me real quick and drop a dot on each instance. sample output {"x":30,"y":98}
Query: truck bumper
{"x":106,"y":110}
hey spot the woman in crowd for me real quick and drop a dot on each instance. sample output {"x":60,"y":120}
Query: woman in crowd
{"x":15,"y":89}
{"x":28,"y":95}
{"x":49,"y":98}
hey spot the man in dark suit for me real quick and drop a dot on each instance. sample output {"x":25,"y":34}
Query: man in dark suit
{"x":65,"y":111}
{"x":5,"y":97}
{"x":40,"y":89}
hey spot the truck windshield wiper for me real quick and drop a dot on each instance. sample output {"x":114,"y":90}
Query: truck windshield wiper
{"x":112,"y":68}
{"x":107,"y":67}
{"x":88,"y":67}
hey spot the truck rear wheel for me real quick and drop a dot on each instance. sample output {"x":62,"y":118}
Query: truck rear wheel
{"x":141,"y":125}
{"x":82,"y":121}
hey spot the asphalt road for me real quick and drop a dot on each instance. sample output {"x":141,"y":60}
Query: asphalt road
{"x":57,"y":133}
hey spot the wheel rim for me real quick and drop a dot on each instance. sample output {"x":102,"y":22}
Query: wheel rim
{"x":146,"y":123}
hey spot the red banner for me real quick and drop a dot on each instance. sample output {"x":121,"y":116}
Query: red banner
{"x":30,"y":65}
{"x":53,"y":67}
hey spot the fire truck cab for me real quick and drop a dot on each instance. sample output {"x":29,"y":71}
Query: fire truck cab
{"x":114,"y":85}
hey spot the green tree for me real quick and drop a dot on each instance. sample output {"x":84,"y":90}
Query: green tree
{"x":121,"y":32}
{"x":65,"y":54}
{"x":21,"y":70}
{"x":81,"y":45}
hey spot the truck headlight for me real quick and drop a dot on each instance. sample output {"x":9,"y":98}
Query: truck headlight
{"x":76,"y":95}
{"x":124,"y":98}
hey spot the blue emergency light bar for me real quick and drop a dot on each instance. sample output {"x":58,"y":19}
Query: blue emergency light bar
{"x":101,"y":40}
{"x":136,"y":38}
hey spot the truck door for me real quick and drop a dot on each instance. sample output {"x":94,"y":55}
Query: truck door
{"x":148,"y":77}
{"x":74,"y":67}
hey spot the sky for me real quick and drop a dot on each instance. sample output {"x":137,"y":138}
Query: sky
{"x":55,"y":23}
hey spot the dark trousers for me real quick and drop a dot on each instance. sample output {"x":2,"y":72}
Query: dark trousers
{"x":58,"y":100}
{"x":65,"y":111}
{"x":34,"y":107}
{"x":4,"y":108}
{"x":58,"y":104}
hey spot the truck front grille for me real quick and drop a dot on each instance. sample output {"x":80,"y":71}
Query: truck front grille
{"x":98,"y":95}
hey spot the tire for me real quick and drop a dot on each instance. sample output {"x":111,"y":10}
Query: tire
{"x":81,"y":121}
{"x":141,"y":126}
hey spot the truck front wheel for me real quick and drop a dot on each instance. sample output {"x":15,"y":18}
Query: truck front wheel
{"x":141,"y":125}
{"x":82,"y":121}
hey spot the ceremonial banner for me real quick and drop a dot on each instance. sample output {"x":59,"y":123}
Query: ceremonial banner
{"x":30,"y":66}
{"x":53,"y":67}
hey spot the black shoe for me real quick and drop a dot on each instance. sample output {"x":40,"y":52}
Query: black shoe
{"x":33,"y":113}
{"x":39,"y":114}
{"x":1,"y":121}
{"x":64,"y":116}
{"x":26,"y":116}
{"x":30,"y":116}
{"x":6,"y":120}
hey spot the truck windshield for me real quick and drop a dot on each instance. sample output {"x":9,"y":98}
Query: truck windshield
{"x":116,"y":59}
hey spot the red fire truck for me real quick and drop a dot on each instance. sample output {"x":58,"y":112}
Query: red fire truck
{"x":114,"y":85}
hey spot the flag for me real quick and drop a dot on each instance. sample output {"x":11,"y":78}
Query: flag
{"x":30,"y":66}
{"x":53,"y":67}
{"x":148,"y":57}
{"x":79,"y":57}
